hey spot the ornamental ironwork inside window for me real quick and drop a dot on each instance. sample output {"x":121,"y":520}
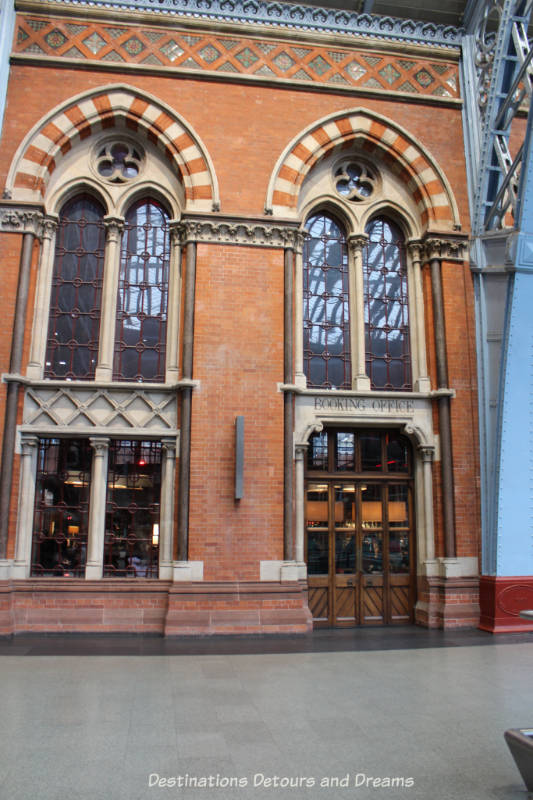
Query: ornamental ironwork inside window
{"x":388,"y":359}
{"x":326,"y":312}
{"x":74,"y":322}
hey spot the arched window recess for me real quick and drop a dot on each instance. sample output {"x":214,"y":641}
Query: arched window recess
{"x":362,"y":314}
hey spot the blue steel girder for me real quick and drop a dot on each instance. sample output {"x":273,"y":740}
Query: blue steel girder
{"x":511,"y":82}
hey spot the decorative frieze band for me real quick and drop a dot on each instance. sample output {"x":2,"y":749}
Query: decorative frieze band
{"x":291,"y":15}
{"x":449,"y":248}
{"x":234,"y":231}
{"x":20,"y":219}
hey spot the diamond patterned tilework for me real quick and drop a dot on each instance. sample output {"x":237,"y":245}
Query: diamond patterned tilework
{"x":151,"y":59}
{"x":336,"y":56}
{"x":73,"y":53}
{"x":152,"y":36}
{"x":265,"y":47}
{"x":172,"y":50}
{"x":113,"y":56}
{"x":342,"y":66}
{"x":190,"y":63}
{"x":337,"y":78}
{"x":266,"y":72}
{"x":134,"y":46}
{"x":209,"y":53}
{"x":407,"y":87}
{"x":389,"y":73}
{"x":116,"y":32}
{"x":372,"y":83}
{"x":356,"y":70}
{"x":94,"y":42}
{"x":247,"y":57}
{"x":227,"y":67}
{"x":301,"y":52}
{"x":229,"y":44}
{"x":283,"y":61}
{"x":34,"y":48}
{"x":37,"y":24}
{"x":372,"y":60}
{"x":55,"y":38}
{"x":319,"y":65}
{"x":423,"y":77}
{"x":302,"y":75}
{"x":74,"y":30}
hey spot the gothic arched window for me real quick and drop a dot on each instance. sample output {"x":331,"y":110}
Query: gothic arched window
{"x":74,"y":321}
{"x":143,"y":294}
{"x":326,"y":304}
{"x":386,"y":309}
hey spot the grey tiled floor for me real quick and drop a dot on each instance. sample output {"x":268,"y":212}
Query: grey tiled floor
{"x":96,"y":728}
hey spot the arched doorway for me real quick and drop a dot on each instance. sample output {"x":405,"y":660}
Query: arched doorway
{"x":359,"y":528}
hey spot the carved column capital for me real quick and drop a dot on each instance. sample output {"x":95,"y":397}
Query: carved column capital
{"x":427,"y":453}
{"x":49,"y":226}
{"x":415,"y":250}
{"x":357,"y":242}
{"x":169,"y":448}
{"x":20,"y":219}
{"x":28,"y":442}
{"x":114,"y":227}
{"x":100,"y":445}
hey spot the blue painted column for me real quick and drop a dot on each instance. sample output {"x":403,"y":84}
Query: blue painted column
{"x":7,"y":24}
{"x":507,"y":584}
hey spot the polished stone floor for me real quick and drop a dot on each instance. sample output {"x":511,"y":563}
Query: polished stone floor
{"x":102,"y":718}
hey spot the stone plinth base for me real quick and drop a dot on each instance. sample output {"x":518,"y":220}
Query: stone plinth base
{"x":237,"y":607}
{"x":501,"y":601}
{"x":70,"y":605}
{"x":447,"y":602}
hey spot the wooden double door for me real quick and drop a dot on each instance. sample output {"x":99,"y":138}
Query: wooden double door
{"x":359,"y":536}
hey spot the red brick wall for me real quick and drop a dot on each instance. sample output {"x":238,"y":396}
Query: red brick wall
{"x":238,"y":357}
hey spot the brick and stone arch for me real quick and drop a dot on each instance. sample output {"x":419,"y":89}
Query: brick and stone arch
{"x":374,"y":136}
{"x":102,"y":109}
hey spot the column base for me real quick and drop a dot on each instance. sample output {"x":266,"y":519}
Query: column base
{"x":282,"y":571}
{"x":447,"y":602}
{"x":185,"y":571}
{"x":6,"y":566}
{"x":501,"y":601}
{"x":19,"y":570}
{"x":93,"y":572}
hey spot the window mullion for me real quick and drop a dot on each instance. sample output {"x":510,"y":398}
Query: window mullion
{"x":114,"y":227}
{"x":360,"y":380}
{"x":421,"y":380}
{"x":42,"y":301}
{"x":173,"y":305}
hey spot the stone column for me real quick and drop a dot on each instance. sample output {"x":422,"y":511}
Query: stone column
{"x":360,"y":380}
{"x":114,"y":227}
{"x":299,"y":376}
{"x":97,"y":507}
{"x":173,"y":311}
{"x":166,"y":519}
{"x":42,"y":299}
{"x":433,"y":250}
{"x":288,"y":400}
{"x":301,"y":452}
{"x":427,"y":454}
{"x":416,"y":304}
{"x":28,"y":469}
{"x":28,"y":223}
